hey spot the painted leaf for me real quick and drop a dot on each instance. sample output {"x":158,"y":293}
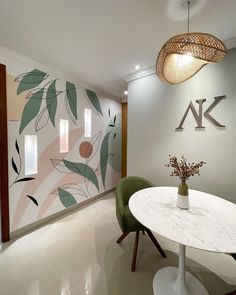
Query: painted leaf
{"x":51,"y":101}
{"x":95,"y":141}
{"x":114,"y":136}
{"x":104,"y":157}
{"x":94,"y":101}
{"x":60,"y":166}
{"x":109,"y":113}
{"x":66,"y":198}
{"x":114,"y":120}
{"x":48,"y":92}
{"x":42,"y":119}
{"x":14,"y":166}
{"x":33,"y":200}
{"x":84,"y":170}
{"x":31,"y":109}
{"x":73,"y":188}
{"x":25,"y":179}
{"x":17,"y":147}
{"x":72,"y":98}
{"x":68,"y":110}
{"x":30,"y":80}
{"x":111,"y":125}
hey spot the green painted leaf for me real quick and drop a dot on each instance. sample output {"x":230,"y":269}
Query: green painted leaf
{"x":51,"y":101}
{"x":94,"y":101}
{"x":84,"y":170}
{"x":72,"y":98}
{"x":66,"y":198}
{"x":104,"y":157}
{"x":31,"y":109}
{"x":30,"y":80}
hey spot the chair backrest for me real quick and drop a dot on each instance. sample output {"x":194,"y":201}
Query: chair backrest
{"x":126,"y":187}
{"x":130,"y":185}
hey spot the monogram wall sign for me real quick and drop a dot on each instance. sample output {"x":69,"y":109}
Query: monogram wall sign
{"x":198,"y":116}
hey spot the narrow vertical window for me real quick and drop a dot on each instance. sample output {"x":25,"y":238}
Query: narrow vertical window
{"x":87,"y":123}
{"x":31,"y":154}
{"x":64,"y":136}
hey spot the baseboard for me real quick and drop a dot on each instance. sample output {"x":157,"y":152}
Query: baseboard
{"x":52,"y":218}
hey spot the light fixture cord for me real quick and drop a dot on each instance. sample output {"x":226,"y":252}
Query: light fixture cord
{"x":188,"y":14}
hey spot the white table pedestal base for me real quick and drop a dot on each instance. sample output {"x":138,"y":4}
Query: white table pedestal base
{"x":176,"y":281}
{"x":164,"y":283}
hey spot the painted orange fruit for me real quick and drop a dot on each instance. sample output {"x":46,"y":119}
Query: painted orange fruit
{"x":85,"y":149}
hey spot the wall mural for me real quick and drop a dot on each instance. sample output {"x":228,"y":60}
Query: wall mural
{"x":91,"y":166}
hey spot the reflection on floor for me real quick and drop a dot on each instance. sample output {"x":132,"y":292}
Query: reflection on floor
{"x":77,"y":255}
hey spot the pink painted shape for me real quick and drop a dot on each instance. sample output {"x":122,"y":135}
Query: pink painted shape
{"x":45,"y":168}
{"x":68,"y":178}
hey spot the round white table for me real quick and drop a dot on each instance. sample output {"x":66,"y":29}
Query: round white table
{"x":209,"y":224}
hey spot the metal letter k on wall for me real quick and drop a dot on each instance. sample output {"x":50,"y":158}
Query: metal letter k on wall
{"x":198,"y":116}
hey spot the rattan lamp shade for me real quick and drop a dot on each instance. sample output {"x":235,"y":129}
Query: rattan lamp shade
{"x":182,"y":56}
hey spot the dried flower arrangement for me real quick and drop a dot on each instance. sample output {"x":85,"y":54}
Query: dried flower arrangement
{"x":183,"y":169}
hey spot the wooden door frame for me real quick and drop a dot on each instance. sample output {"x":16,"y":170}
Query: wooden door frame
{"x":4,"y":193}
{"x":124,"y":139}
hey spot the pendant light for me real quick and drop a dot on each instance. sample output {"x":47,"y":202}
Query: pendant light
{"x":182,"y":56}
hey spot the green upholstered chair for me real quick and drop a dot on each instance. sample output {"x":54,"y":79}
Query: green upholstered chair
{"x":125,"y":189}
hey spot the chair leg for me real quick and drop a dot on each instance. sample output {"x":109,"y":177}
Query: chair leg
{"x":151,"y":236}
{"x":133,"y":266}
{"x":121,"y":238}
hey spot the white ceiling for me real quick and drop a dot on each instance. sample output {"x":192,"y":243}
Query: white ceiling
{"x":100,"y":41}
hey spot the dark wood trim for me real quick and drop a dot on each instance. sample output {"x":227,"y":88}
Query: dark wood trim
{"x":124,"y":138}
{"x":4,"y":197}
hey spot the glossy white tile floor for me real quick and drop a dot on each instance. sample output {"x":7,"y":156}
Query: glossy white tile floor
{"x":77,"y":255}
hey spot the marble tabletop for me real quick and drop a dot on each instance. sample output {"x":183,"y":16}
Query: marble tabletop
{"x":209,"y":224}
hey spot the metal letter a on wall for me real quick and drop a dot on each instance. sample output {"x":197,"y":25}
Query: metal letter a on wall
{"x":197,"y":116}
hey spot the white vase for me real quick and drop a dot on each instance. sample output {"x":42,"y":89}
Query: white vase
{"x":182,"y":202}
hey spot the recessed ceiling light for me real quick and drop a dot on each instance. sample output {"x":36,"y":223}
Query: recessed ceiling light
{"x":137,"y":67}
{"x":126,"y":92}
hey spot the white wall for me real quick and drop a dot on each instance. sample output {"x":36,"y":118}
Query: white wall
{"x":155,"y":110}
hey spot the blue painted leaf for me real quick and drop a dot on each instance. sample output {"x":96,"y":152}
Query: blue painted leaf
{"x":66,"y":198}
{"x":30,"y":80}
{"x":104,"y":157}
{"x":14,"y":166}
{"x":84,"y":170}
{"x":31,"y":109}
{"x":72,"y":98}
{"x":33,"y":200}
{"x":51,"y":101}
{"x":94,"y":101}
